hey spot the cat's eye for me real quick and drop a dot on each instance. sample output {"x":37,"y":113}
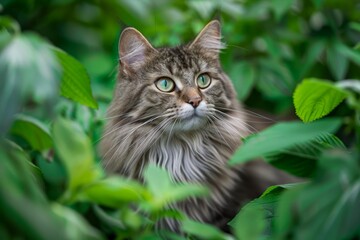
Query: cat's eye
{"x":203,"y":80}
{"x":165,"y":84}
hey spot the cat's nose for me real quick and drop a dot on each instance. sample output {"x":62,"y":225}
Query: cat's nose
{"x":195,"y":101}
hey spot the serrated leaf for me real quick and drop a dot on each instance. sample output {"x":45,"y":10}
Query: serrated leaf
{"x":75,"y":150}
{"x":33,"y":131}
{"x":282,"y":136}
{"x":75,"y":82}
{"x":314,"y":99}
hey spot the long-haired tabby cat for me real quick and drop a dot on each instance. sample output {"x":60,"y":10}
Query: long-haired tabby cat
{"x":175,"y":107}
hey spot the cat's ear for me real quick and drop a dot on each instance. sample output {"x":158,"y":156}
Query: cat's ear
{"x":134,"y":49}
{"x":209,"y":38}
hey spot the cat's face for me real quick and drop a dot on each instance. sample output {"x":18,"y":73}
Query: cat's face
{"x":177,"y":89}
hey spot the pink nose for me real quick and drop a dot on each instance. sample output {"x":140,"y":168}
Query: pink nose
{"x":195,"y":101}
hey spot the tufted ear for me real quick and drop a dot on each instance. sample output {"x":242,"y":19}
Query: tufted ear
{"x":134,"y":49}
{"x":209,"y":38}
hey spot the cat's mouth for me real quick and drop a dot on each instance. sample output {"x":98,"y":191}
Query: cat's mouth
{"x":190,"y":118}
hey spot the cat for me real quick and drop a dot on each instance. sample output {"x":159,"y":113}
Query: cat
{"x":176,"y":108}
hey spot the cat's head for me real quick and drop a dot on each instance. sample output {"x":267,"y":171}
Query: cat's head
{"x":181,"y":88}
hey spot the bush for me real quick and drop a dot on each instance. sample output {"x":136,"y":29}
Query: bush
{"x":57,"y":70}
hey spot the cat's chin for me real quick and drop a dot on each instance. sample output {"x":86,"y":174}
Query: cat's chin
{"x":189,"y":124}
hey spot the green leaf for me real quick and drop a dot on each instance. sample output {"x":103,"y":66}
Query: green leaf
{"x":263,"y":209}
{"x":337,"y":62}
{"x":282,"y":136}
{"x":313,"y":52}
{"x":29,"y":72}
{"x":158,"y":180}
{"x":113,"y":192}
{"x":352,"y":54}
{"x":327,"y":207}
{"x":301,"y":160}
{"x":75,"y":83}
{"x":249,"y":223}
{"x":280,"y":7}
{"x":243,"y":76}
{"x":75,"y":150}
{"x":165,"y":191}
{"x":75,"y":226}
{"x":314,"y":99}
{"x":202,"y":230}
{"x":33,"y":131}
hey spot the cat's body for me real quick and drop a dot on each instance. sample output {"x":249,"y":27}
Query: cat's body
{"x":166,"y":112}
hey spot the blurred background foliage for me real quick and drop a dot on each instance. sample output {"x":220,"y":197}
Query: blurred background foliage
{"x":52,"y":186}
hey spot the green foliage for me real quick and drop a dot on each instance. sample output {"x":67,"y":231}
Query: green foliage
{"x":33,"y":131}
{"x":52,"y":185}
{"x":75,"y":82}
{"x":304,"y":213}
{"x":314,"y":99}
{"x":282,"y":136}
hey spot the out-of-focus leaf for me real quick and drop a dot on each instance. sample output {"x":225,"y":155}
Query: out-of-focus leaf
{"x":21,"y":199}
{"x":75,"y":83}
{"x":315,"y":49}
{"x":74,"y":226}
{"x":165,"y":191}
{"x":280,"y":7}
{"x":352,"y":54}
{"x":282,"y":136}
{"x":244,"y":228}
{"x":301,"y":160}
{"x":202,"y":230}
{"x":263,"y":209}
{"x":9,"y":24}
{"x":315,"y":98}
{"x":243,"y":76}
{"x":33,"y":131}
{"x":75,"y":150}
{"x":337,"y":62}
{"x":29,"y":72}
{"x":327,"y":207}
{"x":113,"y":192}
{"x":107,"y":219}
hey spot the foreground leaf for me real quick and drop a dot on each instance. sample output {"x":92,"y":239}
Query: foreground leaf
{"x":29,"y":72}
{"x":314,"y":99}
{"x":326,"y":208}
{"x":113,"y":192}
{"x":202,"y":230}
{"x":165,"y":191}
{"x":75,"y":150}
{"x":282,"y":136}
{"x":74,"y":225}
{"x":301,"y":160}
{"x":75,"y":83}
{"x":33,"y":131}
{"x":261,"y":211}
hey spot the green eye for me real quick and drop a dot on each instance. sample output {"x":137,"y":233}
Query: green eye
{"x":165,"y":84}
{"x":203,"y":81}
